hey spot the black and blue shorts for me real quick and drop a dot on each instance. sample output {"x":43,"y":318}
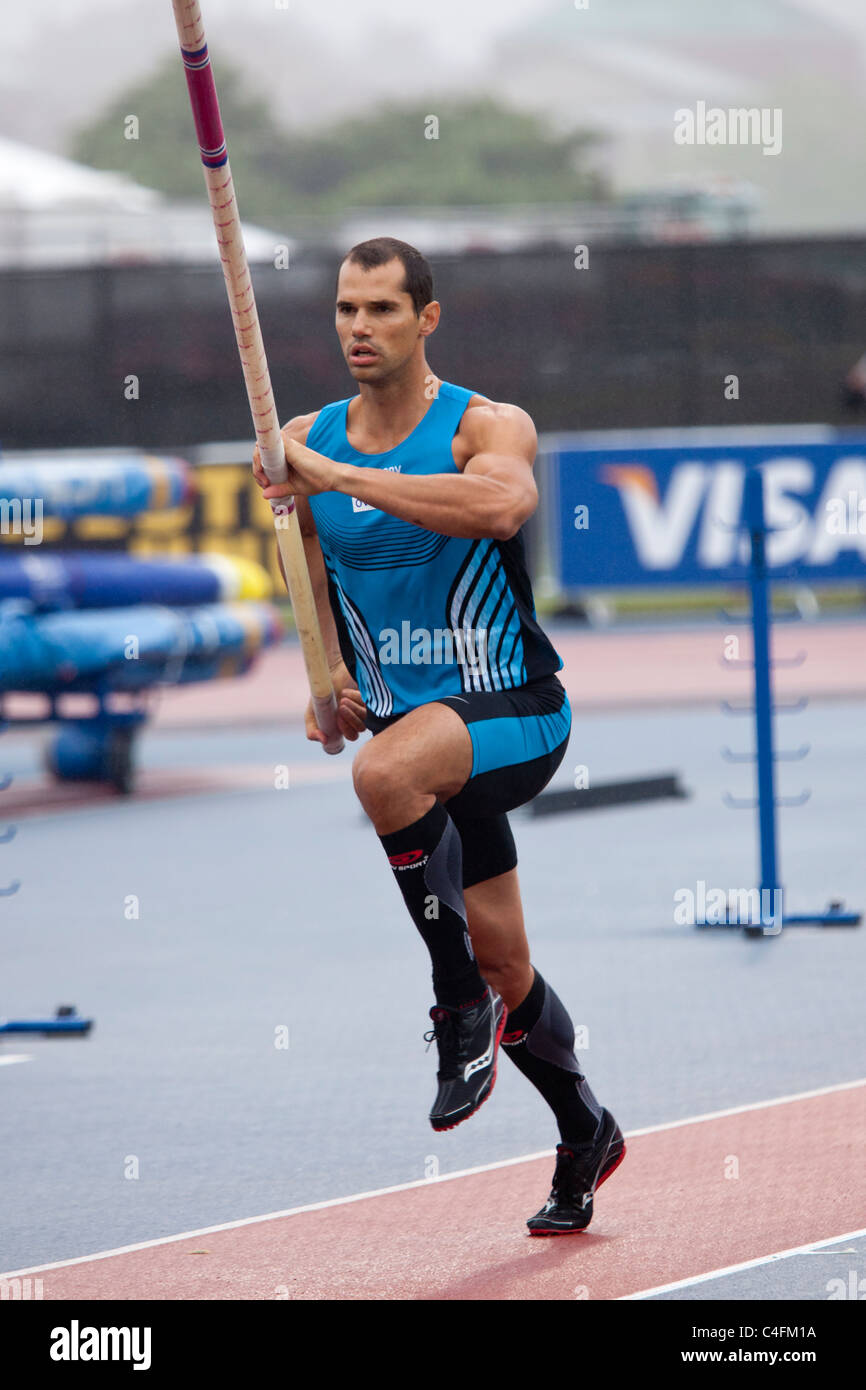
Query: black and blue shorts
{"x":519,"y":738}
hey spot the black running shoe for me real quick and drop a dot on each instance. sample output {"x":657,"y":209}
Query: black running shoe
{"x":580,"y":1170}
{"x":467,"y":1038}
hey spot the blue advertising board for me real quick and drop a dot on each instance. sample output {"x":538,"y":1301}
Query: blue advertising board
{"x":664,"y":507}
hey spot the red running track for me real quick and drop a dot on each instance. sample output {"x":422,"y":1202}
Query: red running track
{"x":688,"y":1199}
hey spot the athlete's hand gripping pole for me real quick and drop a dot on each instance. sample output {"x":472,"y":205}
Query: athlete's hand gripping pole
{"x":227,"y":224}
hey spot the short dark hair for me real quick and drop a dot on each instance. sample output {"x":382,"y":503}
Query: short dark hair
{"x":417,"y":276}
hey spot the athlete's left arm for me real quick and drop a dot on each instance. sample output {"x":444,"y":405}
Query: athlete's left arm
{"x":492,"y":497}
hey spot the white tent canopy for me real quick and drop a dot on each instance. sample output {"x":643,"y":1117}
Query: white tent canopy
{"x":37,"y":181}
{"x":54,"y":212}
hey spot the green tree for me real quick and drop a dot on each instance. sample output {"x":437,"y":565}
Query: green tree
{"x":483,"y":153}
{"x":165,"y":155}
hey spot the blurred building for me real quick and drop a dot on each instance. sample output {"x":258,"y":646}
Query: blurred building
{"x":625,"y":69}
{"x":682,"y":210}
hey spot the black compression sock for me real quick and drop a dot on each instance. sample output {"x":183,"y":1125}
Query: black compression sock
{"x":427,"y":860}
{"x":539,"y":1039}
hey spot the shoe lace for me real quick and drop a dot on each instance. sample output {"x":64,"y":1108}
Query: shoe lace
{"x":445,"y":1034}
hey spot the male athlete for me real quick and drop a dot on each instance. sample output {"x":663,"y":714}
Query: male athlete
{"x":411,"y":496}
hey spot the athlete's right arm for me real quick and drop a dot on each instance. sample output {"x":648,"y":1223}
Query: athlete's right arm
{"x":351,"y":711}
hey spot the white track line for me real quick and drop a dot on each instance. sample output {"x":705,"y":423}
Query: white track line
{"x":813,"y":1246}
{"x":424,"y":1182}
{"x":752,"y":1105}
{"x":15,"y":1057}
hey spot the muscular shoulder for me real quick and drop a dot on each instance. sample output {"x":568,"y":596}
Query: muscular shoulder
{"x":495,"y":427}
{"x":299,"y":426}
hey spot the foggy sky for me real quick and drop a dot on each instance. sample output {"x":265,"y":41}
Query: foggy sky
{"x":459,"y":28}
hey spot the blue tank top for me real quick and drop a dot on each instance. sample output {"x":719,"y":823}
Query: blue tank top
{"x":421,"y":615}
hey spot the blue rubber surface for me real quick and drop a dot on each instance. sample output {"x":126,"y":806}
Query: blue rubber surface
{"x":268,"y":908}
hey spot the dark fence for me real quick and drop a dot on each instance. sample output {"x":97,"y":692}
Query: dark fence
{"x":645,"y":336}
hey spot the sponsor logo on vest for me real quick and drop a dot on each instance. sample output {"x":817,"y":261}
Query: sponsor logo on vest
{"x":359,"y":506}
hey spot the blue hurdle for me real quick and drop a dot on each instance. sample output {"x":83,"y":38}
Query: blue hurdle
{"x":765,"y":755}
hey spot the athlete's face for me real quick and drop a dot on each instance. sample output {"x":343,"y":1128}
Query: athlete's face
{"x":376,"y":320}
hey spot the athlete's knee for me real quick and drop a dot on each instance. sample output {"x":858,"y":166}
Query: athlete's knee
{"x":377,"y":779}
{"x":508,"y":972}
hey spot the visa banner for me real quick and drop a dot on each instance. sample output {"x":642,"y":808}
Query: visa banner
{"x":662,"y":508}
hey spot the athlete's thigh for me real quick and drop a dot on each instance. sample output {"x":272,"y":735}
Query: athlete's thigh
{"x":519,"y":738}
{"x":429,"y":749}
